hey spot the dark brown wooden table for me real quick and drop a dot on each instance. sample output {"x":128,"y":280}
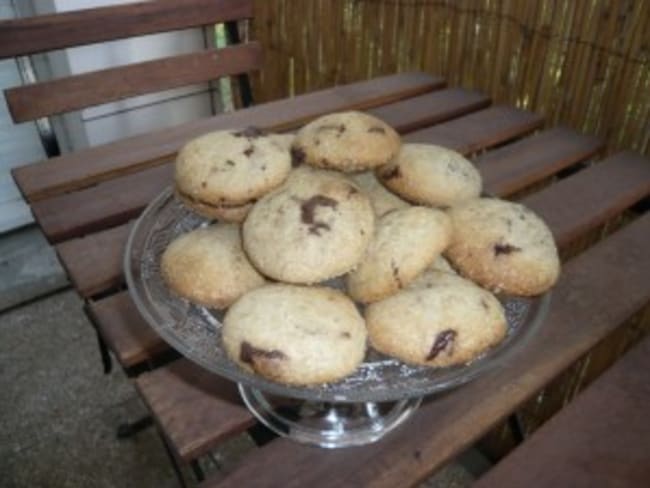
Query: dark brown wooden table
{"x":593,"y":202}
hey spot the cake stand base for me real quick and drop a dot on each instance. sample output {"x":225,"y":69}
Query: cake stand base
{"x":327,"y":424}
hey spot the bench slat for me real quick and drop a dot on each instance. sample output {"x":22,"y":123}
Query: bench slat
{"x":58,"y":220}
{"x":129,"y":337}
{"x":511,"y":168}
{"x":486,"y":128}
{"x":86,"y":167}
{"x":94,"y":263}
{"x":579,"y":317}
{"x":19,"y":37}
{"x":217,"y":410}
{"x":432,"y":108}
{"x":602,"y":438}
{"x":108,"y":204}
{"x":591,"y":197}
{"x":75,"y":92}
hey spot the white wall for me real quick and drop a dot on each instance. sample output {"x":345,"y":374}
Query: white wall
{"x":19,"y":144}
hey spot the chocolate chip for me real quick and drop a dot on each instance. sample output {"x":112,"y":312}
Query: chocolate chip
{"x":390,"y":174}
{"x":417,"y":455}
{"x":316,"y":227}
{"x":505,"y":249}
{"x":396,"y":276}
{"x":248,"y":353}
{"x":352,"y":191}
{"x":263,"y":167}
{"x":204,"y":184}
{"x":297,"y":156}
{"x":345,"y":335}
{"x":249,"y":133}
{"x":484,"y":304}
{"x":340,"y":129}
{"x":378,"y":130}
{"x":230,"y":162}
{"x":444,"y":341}
{"x":308,"y":211}
{"x":249,"y":150}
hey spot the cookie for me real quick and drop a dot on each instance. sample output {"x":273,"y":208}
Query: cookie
{"x":346,"y":141}
{"x":295,"y":334}
{"x":405,"y":243}
{"x":431,"y":175}
{"x":223,"y":213}
{"x":315,"y":227}
{"x":503,"y":246}
{"x":208,"y":266}
{"x":382,"y":200}
{"x":284,"y":140}
{"x":230,"y":168}
{"x":451,"y":322}
{"x":438,"y":271}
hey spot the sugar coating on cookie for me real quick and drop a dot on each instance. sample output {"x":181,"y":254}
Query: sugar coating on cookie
{"x":431,"y":175}
{"x":383,"y":201}
{"x":449,"y":322}
{"x":315,"y":227}
{"x":208,"y":266}
{"x":503,"y":246}
{"x":295,"y":334}
{"x":405,"y":243}
{"x":230,"y":167}
{"x":346,"y":141}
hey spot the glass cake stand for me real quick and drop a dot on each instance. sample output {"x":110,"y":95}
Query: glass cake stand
{"x":357,"y":410}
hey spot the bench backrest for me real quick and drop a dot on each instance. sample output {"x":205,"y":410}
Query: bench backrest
{"x":31,"y":35}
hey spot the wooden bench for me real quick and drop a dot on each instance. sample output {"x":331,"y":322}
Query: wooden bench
{"x":566,"y":177}
{"x":601,"y":439}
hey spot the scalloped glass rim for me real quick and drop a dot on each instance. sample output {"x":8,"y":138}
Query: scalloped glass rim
{"x":194,"y":331}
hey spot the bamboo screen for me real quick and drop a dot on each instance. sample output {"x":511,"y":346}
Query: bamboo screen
{"x":582,"y":63}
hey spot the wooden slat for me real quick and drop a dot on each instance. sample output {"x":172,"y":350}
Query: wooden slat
{"x":75,"y":92}
{"x":591,"y":197}
{"x":602,"y":438}
{"x":31,"y":35}
{"x":107,"y":204}
{"x":90,"y":166}
{"x":432,"y":108}
{"x":485,"y":129}
{"x":213,"y":403}
{"x":578,"y":318}
{"x":94,"y":263}
{"x":58,"y":222}
{"x":124,"y":330}
{"x":511,"y":168}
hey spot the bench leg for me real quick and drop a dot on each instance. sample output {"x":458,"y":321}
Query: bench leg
{"x":107,"y":362}
{"x":129,"y":429}
{"x":516,"y":428}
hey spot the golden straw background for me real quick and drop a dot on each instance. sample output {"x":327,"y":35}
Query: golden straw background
{"x":582,"y":63}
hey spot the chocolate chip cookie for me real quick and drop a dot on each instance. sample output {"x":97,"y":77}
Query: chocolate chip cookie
{"x":406,"y":242}
{"x":295,"y":334}
{"x":503,"y":246}
{"x":226,"y":169}
{"x":346,"y":141}
{"x":208,"y":266}
{"x":313,"y":228}
{"x":383,"y":201}
{"x":451,"y":321}
{"x":431,"y":175}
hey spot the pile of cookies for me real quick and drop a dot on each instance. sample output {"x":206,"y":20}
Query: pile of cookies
{"x":343,"y":204}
